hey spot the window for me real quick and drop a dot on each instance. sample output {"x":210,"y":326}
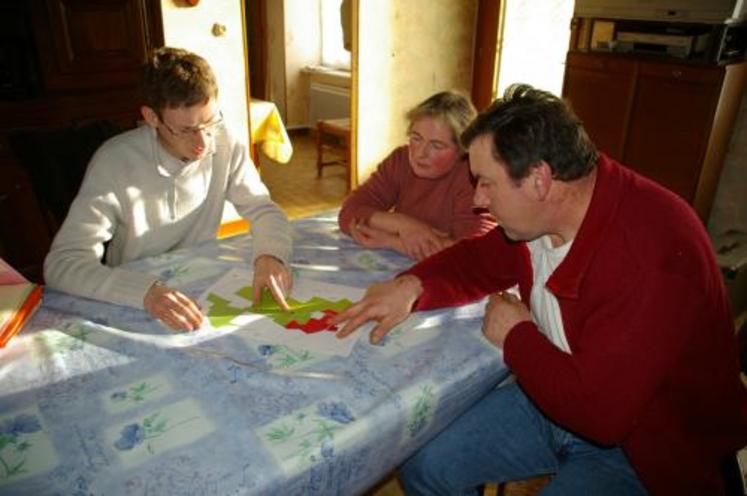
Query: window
{"x":334,"y":54}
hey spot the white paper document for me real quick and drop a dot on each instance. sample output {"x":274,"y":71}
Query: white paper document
{"x":228,"y":303}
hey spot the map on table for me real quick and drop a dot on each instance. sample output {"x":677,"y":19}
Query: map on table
{"x":229,"y":303}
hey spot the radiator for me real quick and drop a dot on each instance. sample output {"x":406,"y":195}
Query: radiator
{"x":328,"y":102}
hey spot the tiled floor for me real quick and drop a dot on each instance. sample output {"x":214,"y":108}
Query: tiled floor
{"x":295,"y":187}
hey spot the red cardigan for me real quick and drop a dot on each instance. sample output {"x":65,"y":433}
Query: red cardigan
{"x":444,"y":203}
{"x":654,"y":364}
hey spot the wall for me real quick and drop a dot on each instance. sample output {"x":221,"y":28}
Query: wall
{"x":294,"y":46}
{"x":191,"y":28}
{"x":730,"y":205}
{"x":406,"y":52}
{"x":301,"y":49}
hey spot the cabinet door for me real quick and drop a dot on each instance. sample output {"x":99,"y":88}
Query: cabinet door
{"x":95,"y":43}
{"x":600,"y":89}
{"x":24,"y":239}
{"x":670,"y":123}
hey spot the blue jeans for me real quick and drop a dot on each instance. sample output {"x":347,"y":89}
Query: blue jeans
{"x":505,"y":437}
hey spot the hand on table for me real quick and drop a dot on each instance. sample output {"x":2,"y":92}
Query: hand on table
{"x":420,"y":240}
{"x":388,"y":303}
{"x":503,"y":311}
{"x":271,"y":273}
{"x":370,"y":237}
{"x":173,"y":308}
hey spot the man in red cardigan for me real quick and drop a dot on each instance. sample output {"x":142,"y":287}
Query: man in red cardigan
{"x":620,"y":338}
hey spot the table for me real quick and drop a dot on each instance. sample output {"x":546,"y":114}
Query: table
{"x":267,"y":130}
{"x":100,"y":399}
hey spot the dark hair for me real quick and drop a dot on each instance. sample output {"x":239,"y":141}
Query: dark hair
{"x":530,"y":125}
{"x":453,"y":107}
{"x":173,"y":77}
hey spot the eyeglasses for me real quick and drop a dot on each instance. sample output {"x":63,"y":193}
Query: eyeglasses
{"x":417,"y":139}
{"x":209,"y":128}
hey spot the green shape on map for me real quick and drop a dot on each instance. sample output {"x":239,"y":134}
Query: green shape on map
{"x":222,"y":312}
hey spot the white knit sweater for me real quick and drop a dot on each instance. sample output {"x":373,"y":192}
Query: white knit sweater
{"x":146,"y":202}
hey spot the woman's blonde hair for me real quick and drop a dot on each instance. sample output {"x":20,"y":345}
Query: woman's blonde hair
{"x":452,"y":107}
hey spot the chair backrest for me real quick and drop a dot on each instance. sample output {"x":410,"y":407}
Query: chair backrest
{"x":56,"y":160}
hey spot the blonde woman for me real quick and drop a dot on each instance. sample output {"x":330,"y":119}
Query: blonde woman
{"x":419,"y":199}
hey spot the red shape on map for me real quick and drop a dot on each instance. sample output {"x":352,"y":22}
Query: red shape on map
{"x":315,"y":325}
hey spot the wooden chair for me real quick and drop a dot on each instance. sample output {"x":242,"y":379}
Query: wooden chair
{"x":56,"y":160}
{"x":333,"y":135}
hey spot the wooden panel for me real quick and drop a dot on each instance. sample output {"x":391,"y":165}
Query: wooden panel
{"x":600,"y":91}
{"x":256,"y":24}
{"x":24,"y":235}
{"x":681,"y":72}
{"x":602,"y":63}
{"x":671,"y":123}
{"x":119,"y":105}
{"x":95,"y":43}
{"x":730,"y":98}
{"x":486,"y":41}
{"x":89,"y":53}
{"x":678,"y":123}
{"x":95,"y":36}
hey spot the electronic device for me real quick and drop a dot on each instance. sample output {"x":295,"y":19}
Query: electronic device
{"x":731,"y":43}
{"x":674,"y":45}
{"x":706,"y":11}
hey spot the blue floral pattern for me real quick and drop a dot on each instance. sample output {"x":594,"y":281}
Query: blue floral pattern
{"x":13,"y":446}
{"x":132,"y":435}
{"x":152,"y":427}
{"x":336,"y":411}
{"x":422,"y":411}
{"x":134,"y":394}
{"x":249,"y":417}
{"x":284,"y":356}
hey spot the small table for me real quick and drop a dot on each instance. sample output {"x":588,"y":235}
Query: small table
{"x":267,"y":128}
{"x":338,"y":130}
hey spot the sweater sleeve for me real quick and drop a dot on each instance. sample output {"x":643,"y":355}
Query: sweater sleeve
{"x":468,"y":270}
{"x":73,"y":264}
{"x":624,"y":351}
{"x":271,"y":231}
{"x":378,"y":194}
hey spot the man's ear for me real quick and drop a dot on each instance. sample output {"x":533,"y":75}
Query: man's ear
{"x":541,"y":176}
{"x":150,"y":116}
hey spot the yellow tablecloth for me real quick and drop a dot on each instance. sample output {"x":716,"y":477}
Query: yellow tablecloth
{"x":268,"y":131}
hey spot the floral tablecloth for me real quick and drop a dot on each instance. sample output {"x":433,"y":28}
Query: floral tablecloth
{"x":100,"y":399}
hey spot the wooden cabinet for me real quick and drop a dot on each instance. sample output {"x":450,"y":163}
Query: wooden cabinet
{"x":94,"y":43}
{"x":85,"y":68}
{"x":24,"y":237}
{"x":669,"y":120}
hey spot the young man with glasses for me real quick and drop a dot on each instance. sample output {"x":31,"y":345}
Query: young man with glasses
{"x":162,"y":187}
